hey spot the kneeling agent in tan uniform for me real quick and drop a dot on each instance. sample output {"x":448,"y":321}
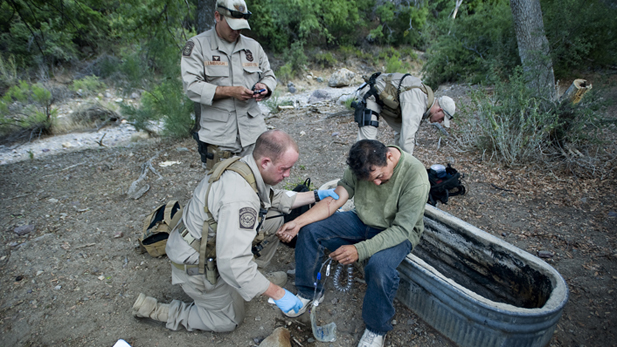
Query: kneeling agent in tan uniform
{"x":229,"y":209}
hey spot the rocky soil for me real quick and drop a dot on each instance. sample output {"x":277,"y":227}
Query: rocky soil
{"x":69,"y":272}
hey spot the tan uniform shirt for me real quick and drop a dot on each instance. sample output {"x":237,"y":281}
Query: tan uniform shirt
{"x":235,"y":206}
{"x":413,"y":105}
{"x":209,"y":61}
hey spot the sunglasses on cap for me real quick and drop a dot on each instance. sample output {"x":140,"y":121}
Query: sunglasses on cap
{"x":237,"y":14}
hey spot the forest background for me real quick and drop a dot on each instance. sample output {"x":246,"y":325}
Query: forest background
{"x":135,"y":45}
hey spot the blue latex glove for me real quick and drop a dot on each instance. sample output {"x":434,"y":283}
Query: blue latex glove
{"x":289,"y":302}
{"x":326,"y":193}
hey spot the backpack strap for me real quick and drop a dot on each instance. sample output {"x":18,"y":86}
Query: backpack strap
{"x":207,"y":249}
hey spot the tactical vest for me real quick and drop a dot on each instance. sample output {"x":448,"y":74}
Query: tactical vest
{"x":207,"y":250}
{"x":388,"y":98}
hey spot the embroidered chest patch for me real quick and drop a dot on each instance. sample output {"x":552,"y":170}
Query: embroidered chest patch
{"x":188,"y":48}
{"x":216,"y":58}
{"x":249,"y":55}
{"x":248,"y":217}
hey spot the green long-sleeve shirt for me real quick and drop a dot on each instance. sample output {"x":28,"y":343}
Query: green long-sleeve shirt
{"x":397,"y":206}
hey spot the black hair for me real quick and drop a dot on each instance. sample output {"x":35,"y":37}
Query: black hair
{"x":365,"y":155}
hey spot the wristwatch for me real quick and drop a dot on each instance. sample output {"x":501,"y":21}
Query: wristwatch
{"x":317,"y":199}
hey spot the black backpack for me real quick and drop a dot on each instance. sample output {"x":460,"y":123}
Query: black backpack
{"x":444,"y":187}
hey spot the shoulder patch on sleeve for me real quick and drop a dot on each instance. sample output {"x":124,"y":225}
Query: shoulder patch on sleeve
{"x":188,"y":48}
{"x":248,"y":217}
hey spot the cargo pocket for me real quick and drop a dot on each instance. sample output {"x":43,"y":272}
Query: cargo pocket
{"x":252,"y":72}
{"x":216,"y":74}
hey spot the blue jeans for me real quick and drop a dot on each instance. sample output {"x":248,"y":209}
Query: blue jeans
{"x":382,"y":279}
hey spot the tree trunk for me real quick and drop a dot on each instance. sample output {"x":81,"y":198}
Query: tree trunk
{"x":205,"y":15}
{"x":533,"y":47}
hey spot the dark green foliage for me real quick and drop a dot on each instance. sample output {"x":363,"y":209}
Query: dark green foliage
{"x":400,"y":24}
{"x":581,"y":33}
{"x":482,"y":40}
{"x":472,"y":46}
{"x":52,"y":30}
{"x":279,"y":23}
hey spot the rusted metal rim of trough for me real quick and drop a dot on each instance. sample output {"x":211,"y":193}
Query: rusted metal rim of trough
{"x":468,"y":318}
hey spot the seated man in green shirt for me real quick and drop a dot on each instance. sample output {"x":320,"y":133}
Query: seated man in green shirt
{"x":390,"y":188}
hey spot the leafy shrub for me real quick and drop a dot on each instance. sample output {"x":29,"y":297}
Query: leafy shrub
{"x":8,"y":72}
{"x":325,"y":59}
{"x":25,"y":109}
{"x":87,"y":86}
{"x":515,"y":127}
{"x":399,"y":23}
{"x":167,"y":104}
{"x":473,"y":46}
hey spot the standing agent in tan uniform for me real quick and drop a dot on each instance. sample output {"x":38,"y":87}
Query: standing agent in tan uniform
{"x":230,"y":211}
{"x":227,"y":74}
{"x":403,"y":101}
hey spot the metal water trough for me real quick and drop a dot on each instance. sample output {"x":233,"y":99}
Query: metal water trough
{"x":479,"y":290}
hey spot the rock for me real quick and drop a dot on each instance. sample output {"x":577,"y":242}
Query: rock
{"x":182,"y":149}
{"x":336,"y":133}
{"x":545,"y":254}
{"x":292,"y":89}
{"x":118,"y":235}
{"x":24,"y":229}
{"x":341,"y":78}
{"x":612,"y":214}
{"x":318,"y":96}
{"x":52,"y":200}
{"x":319,"y":79}
{"x":134,"y":95}
{"x":280,"y":337}
{"x":108,"y":95}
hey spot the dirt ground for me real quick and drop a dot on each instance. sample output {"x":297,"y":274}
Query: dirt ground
{"x":72,"y":279}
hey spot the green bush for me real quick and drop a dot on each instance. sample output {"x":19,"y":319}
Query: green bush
{"x":399,"y":24}
{"x":515,"y":127}
{"x":167,"y":104}
{"x":27,"y":108}
{"x":473,"y":46}
{"x":326,"y":59}
{"x":87,"y":86}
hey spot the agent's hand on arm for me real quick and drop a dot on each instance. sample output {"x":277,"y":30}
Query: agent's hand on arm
{"x":345,"y":255}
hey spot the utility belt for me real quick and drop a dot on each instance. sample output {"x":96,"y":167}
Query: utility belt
{"x":210,"y":154}
{"x":210,"y":269}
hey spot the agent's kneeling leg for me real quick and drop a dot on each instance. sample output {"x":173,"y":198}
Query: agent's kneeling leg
{"x":217,"y":308}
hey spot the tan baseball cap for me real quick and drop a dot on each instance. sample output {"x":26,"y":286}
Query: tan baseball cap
{"x":236,"y":13}
{"x":447,"y":105}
